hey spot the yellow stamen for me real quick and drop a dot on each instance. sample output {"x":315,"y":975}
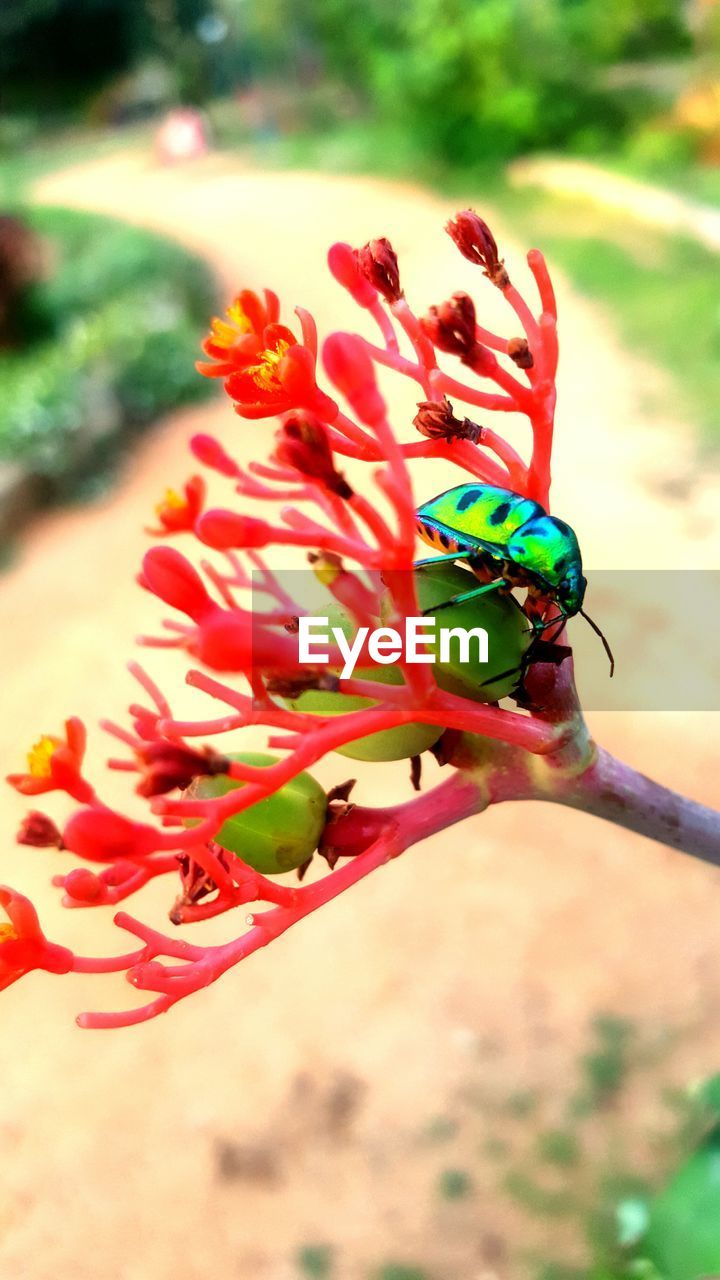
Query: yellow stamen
{"x":40,"y":755}
{"x":172,"y":499}
{"x":264,"y":374}
{"x":226,"y":335}
{"x":7,"y":933}
{"x":236,"y":312}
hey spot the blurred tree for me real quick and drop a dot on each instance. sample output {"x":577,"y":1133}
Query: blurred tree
{"x":487,"y":76}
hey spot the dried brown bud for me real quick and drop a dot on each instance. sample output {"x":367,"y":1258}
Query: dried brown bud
{"x":378,"y":262}
{"x":167,"y":765}
{"x":196,"y":882}
{"x":476,"y":242}
{"x":436,"y":420}
{"x":451,"y":326}
{"x":302,"y":443}
{"x":520,"y":353}
{"x":291,"y":686}
{"x":38,"y":830}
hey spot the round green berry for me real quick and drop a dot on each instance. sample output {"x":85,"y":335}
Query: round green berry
{"x":276,"y":834}
{"x":387,"y":744}
{"x":509,"y":633}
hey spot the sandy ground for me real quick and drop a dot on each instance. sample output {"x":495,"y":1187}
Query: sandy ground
{"x":292,"y":1103}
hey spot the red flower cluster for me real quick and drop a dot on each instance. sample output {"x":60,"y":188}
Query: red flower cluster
{"x":361,"y":546}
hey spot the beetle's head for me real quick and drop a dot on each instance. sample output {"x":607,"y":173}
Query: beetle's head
{"x":571,"y":590}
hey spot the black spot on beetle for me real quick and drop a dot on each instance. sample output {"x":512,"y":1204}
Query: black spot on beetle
{"x":499,"y":514}
{"x":444,"y":540}
{"x":468,"y":499}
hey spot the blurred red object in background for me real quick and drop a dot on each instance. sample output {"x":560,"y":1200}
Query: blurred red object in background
{"x":182,"y":135}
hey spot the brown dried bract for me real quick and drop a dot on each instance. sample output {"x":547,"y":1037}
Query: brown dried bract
{"x":378,"y":262}
{"x":476,"y":242}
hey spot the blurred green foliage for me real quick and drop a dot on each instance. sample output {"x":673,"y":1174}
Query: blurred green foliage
{"x":488,"y":78}
{"x":108,"y":341}
{"x":315,"y":1261}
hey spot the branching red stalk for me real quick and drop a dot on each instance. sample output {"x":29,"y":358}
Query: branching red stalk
{"x":247,"y":658}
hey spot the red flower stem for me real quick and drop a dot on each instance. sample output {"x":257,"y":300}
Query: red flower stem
{"x":539,"y":473}
{"x":538,"y":266}
{"x":345,"y":425}
{"x":519,"y":393}
{"x":525,"y":316}
{"x":441,"y":381}
{"x":422,"y":346}
{"x":130,"y":1018}
{"x":372,"y":518}
{"x":548,"y":326}
{"x":615,"y":791}
{"x":107,"y":964}
{"x":385,"y":325}
{"x":472,"y":460}
{"x":499,"y":446}
{"x":340,"y":444}
{"x":490,"y":339}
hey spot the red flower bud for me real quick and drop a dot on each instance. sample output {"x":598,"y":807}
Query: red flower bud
{"x":103,"y":836}
{"x":210,"y":452}
{"x":476,"y":242}
{"x":342,"y":261}
{"x":303,"y":444}
{"x":378,"y":262}
{"x":225,"y":530}
{"x":83,"y":885}
{"x":225,"y":642}
{"x":350,"y":368}
{"x":172,"y":578}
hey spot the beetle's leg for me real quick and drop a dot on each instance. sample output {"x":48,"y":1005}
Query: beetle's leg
{"x":554,"y":622}
{"x":451,"y":555}
{"x":498,"y":585}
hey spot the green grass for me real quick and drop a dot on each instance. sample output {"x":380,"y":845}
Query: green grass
{"x":23,"y":159}
{"x":694,"y":181}
{"x":108,"y":341}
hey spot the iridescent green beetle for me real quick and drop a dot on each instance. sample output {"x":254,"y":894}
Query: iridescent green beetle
{"x":508,"y":541}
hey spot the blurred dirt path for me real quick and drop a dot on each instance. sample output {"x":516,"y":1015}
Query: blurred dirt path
{"x":654,"y":205}
{"x":288,"y":1104}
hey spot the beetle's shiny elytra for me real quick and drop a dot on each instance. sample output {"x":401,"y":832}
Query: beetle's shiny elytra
{"x":511,"y":535}
{"x":511,"y":539}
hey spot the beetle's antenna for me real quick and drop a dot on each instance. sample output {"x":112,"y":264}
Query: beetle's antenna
{"x":599,"y":633}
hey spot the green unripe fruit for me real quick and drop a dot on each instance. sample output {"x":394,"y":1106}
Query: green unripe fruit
{"x":388,"y":744}
{"x":276,"y":834}
{"x":508,"y":629}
